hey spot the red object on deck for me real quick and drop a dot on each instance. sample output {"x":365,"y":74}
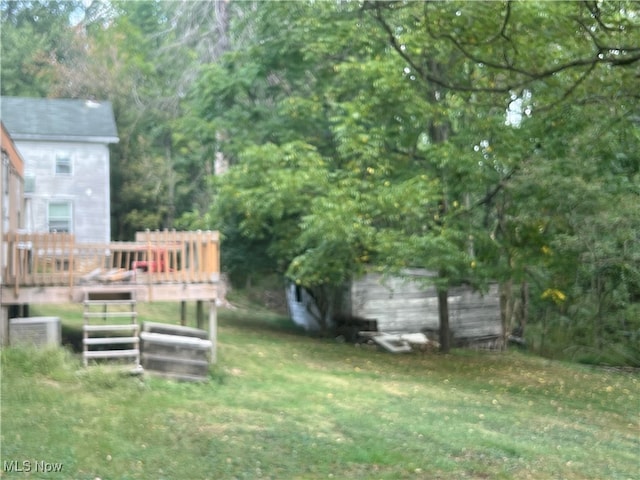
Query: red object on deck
{"x":158,"y":262}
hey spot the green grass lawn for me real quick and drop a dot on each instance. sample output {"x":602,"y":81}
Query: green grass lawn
{"x":282,"y":405}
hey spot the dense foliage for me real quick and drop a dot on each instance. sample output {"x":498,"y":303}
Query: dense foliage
{"x":485,"y":141}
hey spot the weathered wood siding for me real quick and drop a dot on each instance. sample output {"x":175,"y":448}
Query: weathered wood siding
{"x":410,"y":305}
{"x":87,"y":187}
{"x":474,"y":315}
{"x":406,"y":305}
{"x":397,"y":304}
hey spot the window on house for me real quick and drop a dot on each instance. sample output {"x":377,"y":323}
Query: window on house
{"x":29,"y":184}
{"x":60,"y":217}
{"x":63,"y":165}
{"x":5,"y":173}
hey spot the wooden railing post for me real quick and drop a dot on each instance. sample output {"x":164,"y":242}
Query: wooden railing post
{"x":16,"y":264}
{"x":72,"y":266}
{"x":149,"y":264}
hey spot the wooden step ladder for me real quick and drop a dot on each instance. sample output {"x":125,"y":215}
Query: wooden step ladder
{"x":110,"y":322}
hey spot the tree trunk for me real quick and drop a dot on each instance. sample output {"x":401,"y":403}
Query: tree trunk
{"x":439,"y":131}
{"x":443,"y":314}
{"x":506,"y":308}
{"x":524,"y":306}
{"x":324,"y":297}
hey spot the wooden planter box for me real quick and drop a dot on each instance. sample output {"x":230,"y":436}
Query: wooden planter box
{"x":175,"y":351}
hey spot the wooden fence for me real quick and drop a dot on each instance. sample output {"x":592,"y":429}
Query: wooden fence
{"x":56,"y":259}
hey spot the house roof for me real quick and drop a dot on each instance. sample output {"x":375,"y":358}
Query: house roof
{"x":59,"y":119}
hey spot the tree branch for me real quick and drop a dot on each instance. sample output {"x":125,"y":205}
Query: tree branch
{"x":488,"y":198}
{"x":599,"y":57}
{"x":397,"y":47}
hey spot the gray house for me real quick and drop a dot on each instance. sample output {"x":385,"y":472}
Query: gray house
{"x":65,"y":147}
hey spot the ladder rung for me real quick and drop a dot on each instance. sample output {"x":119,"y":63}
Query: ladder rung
{"x":109,"y":302}
{"x":110,"y":328}
{"x":109,"y":340}
{"x":112,"y":353}
{"x":99,"y":309}
{"x":109,"y":314}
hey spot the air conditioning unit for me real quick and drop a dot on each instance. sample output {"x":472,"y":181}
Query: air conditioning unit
{"x":35,"y":331}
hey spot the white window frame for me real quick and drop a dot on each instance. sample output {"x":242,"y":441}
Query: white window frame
{"x":29,"y":183}
{"x":63,"y":161}
{"x":59,"y":219}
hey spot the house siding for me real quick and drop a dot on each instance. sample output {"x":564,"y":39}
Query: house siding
{"x":86,"y":188}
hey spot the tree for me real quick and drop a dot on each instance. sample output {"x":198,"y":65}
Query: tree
{"x":571,"y":220}
{"x":262,"y":98}
{"x":430,"y":128}
{"x":592,"y":45}
{"x":367,"y":141}
{"x":33,"y":35}
{"x":367,"y":135}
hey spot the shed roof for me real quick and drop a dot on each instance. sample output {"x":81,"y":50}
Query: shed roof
{"x":59,"y":119}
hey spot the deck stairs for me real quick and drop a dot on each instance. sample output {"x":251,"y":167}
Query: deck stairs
{"x":111,"y":330}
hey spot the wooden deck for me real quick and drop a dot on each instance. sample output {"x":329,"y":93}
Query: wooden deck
{"x":157,"y":266}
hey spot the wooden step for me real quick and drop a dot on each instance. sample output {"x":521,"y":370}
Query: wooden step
{"x":111,"y":328}
{"x":110,"y":314}
{"x":89,"y":303}
{"x":134,"y":352}
{"x":101,"y":295}
{"x":109,"y":340}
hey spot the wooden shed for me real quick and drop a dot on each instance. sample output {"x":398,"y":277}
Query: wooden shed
{"x":406,"y":304}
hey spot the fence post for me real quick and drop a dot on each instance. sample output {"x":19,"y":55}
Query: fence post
{"x":148,"y":259}
{"x":71,"y":264}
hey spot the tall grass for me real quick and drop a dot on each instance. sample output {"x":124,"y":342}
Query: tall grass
{"x":561,"y":339}
{"x":282,"y":405}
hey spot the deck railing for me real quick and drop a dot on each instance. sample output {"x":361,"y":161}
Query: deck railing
{"x":56,"y":259}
